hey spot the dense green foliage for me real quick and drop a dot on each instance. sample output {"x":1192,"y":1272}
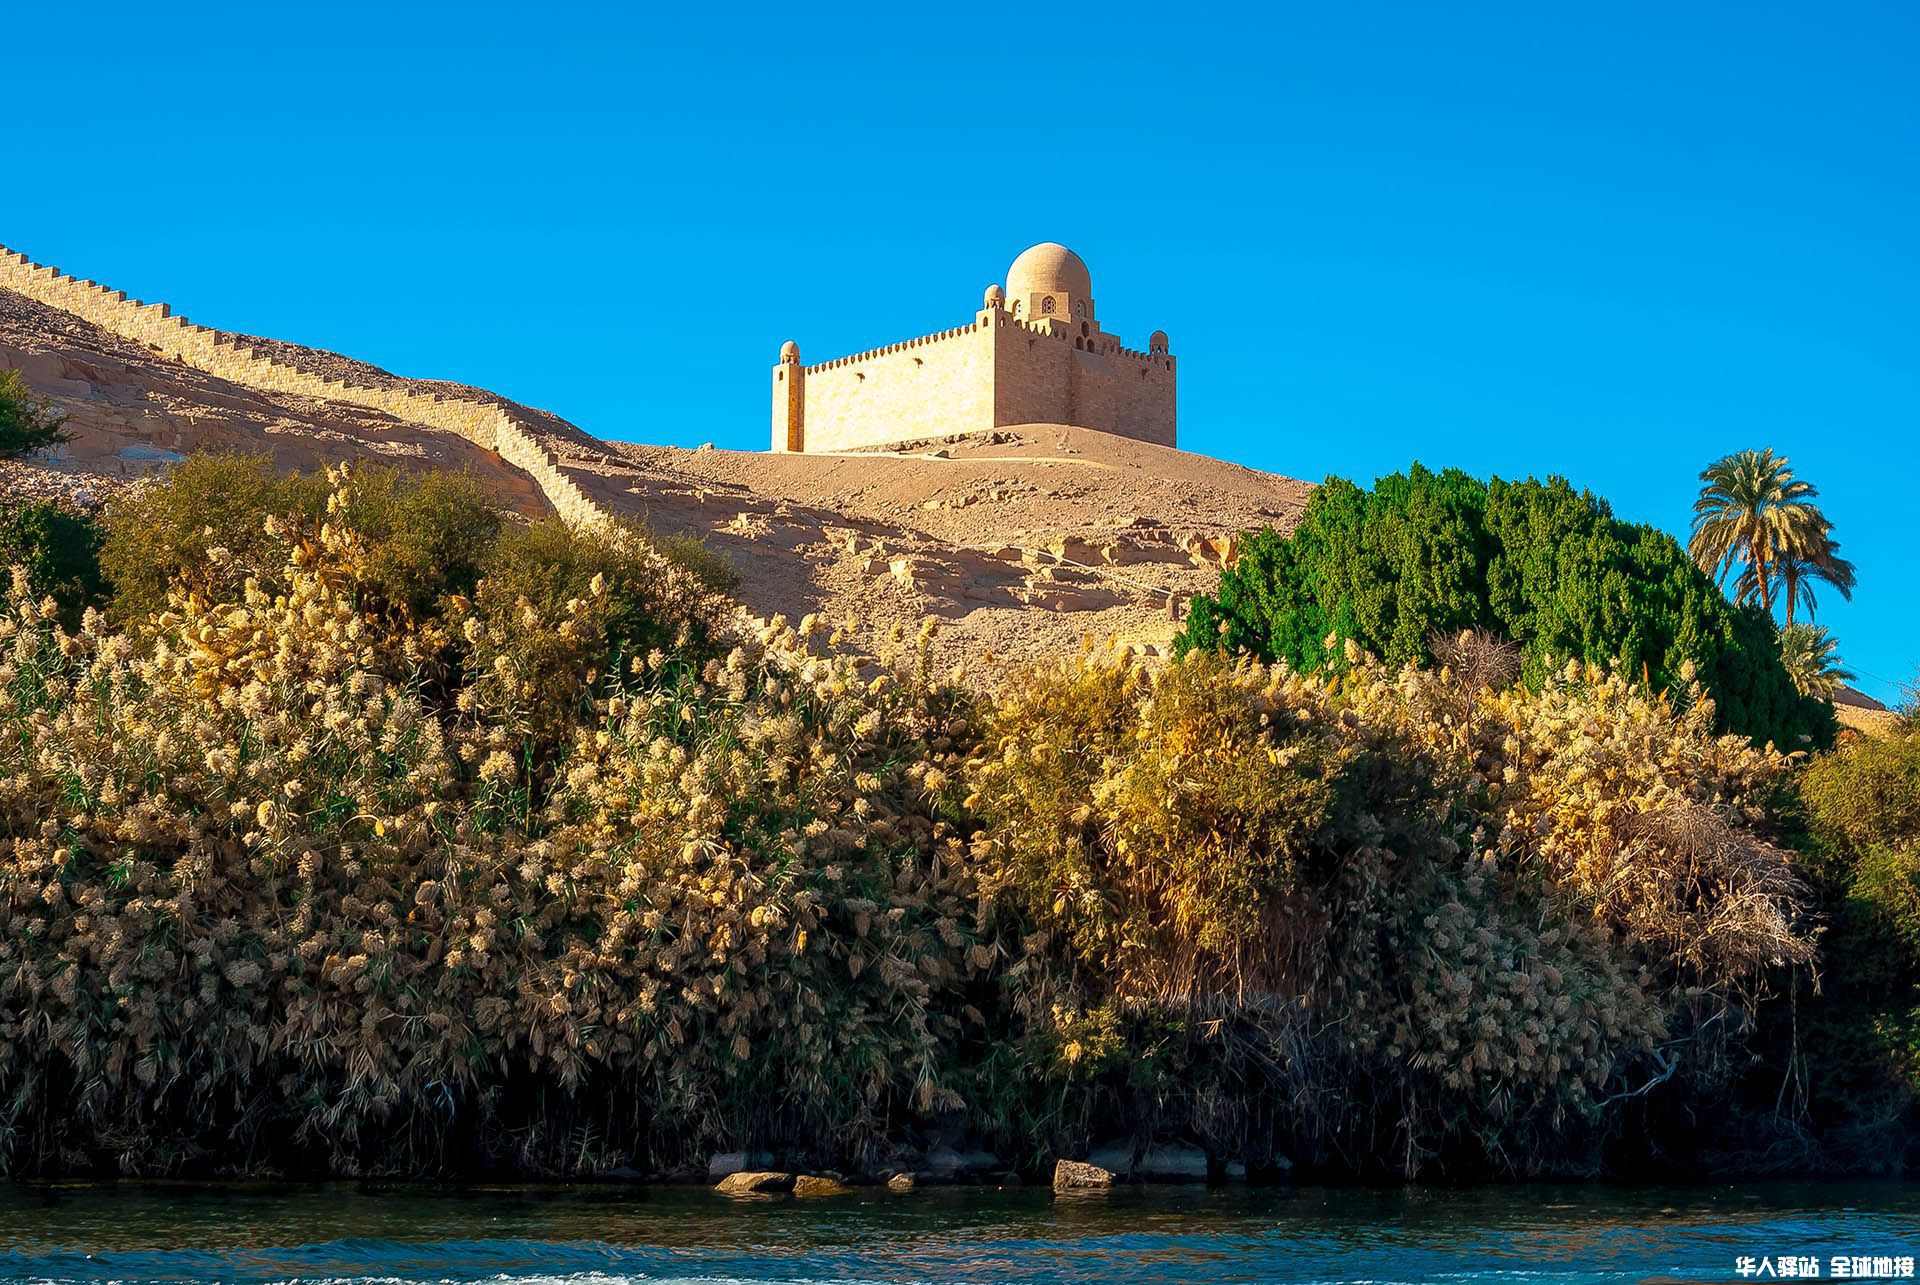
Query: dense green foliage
{"x":58,"y":549}
{"x":1860,"y":1048}
{"x":28,"y":422}
{"x":1424,"y":554}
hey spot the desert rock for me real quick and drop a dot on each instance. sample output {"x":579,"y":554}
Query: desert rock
{"x":754,"y":1183}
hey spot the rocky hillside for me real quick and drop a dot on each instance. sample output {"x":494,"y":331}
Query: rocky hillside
{"x":1021,"y":542}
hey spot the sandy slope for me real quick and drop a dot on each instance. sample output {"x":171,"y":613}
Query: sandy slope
{"x":1021,"y":542}
{"x":132,"y":412}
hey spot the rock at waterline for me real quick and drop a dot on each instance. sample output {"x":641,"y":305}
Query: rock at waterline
{"x":944,"y":1164}
{"x":1077,"y":1175}
{"x":900,"y":1182}
{"x":1155,"y":1164}
{"x":812,"y":1185}
{"x":750,"y":1183}
{"x":1172,"y":1164}
{"x":731,"y":1162}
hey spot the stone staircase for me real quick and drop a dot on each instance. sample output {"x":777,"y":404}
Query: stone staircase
{"x":155,"y":325}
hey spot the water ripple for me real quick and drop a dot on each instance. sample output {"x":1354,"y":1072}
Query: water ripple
{"x":340,"y":1235}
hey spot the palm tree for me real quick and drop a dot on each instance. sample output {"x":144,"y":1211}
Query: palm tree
{"x":1808,"y":652}
{"x":1794,"y":575}
{"x":1753,"y":510}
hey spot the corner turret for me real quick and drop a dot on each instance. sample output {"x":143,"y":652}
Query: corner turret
{"x":789,"y":400}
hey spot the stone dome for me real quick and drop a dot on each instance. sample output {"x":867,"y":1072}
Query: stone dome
{"x":1049,"y":268}
{"x":789,"y":351}
{"x":995,"y":297}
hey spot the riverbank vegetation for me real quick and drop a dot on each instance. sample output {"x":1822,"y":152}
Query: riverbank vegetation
{"x":1537,"y":562}
{"x":348,"y":825}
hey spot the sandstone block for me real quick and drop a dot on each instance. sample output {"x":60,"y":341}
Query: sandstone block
{"x":1077,"y":1175}
{"x":809,"y":1185}
{"x":754,"y":1183}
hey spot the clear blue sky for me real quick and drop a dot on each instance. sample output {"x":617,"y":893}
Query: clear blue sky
{"x":1610,"y":242}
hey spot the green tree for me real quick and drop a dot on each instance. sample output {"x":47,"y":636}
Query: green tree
{"x":1754,"y":513}
{"x":1386,"y":568}
{"x":572,"y":613}
{"x":204,"y":527}
{"x":28,"y":422}
{"x":59,"y":550}
{"x":1538,"y":562}
{"x":428,"y":535}
{"x":167,"y":533}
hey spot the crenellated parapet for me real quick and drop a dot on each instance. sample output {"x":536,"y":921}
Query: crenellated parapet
{"x":1063,"y":332}
{"x":905,"y":345}
{"x":156,"y":326}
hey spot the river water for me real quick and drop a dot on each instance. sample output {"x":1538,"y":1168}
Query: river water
{"x":610,"y":1235}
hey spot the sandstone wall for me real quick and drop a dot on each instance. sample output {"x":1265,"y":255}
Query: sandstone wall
{"x":155,"y":325}
{"x":1041,"y":377}
{"x":927,"y":387}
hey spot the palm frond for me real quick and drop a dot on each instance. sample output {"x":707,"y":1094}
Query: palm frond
{"x":1811,"y":656}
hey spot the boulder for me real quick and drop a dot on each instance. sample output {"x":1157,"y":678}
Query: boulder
{"x":1115,"y":1154}
{"x":900,"y":1182}
{"x":1171,"y":1164}
{"x":1161,"y":1163}
{"x":726,"y":1163}
{"x":731,"y":1162}
{"x":754,"y":1183}
{"x":944,"y":1164}
{"x":1074,"y":549}
{"x":1077,"y":1175}
{"x":981,"y":1162}
{"x":808,"y":1184}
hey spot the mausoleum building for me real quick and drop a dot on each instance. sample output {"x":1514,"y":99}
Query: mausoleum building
{"x":1033,"y":354}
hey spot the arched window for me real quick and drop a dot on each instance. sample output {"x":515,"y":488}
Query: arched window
{"x":1046,"y":304}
